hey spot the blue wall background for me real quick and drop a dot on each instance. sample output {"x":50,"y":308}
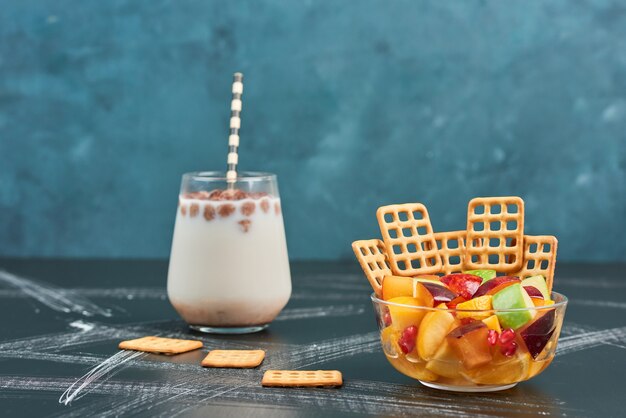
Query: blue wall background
{"x":355,"y":104}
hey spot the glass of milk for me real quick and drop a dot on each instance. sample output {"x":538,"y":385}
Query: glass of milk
{"x":229,"y":269}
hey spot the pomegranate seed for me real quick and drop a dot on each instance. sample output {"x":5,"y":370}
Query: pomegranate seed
{"x":507,"y":336}
{"x":411,"y":331}
{"x":407,"y":339}
{"x":465,"y":321}
{"x":492,"y":337}
{"x":387,"y":319}
{"x":509,"y":349}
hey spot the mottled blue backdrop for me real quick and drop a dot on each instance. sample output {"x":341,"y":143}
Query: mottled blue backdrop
{"x":355,"y":104}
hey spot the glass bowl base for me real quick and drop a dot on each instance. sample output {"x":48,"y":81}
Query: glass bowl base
{"x":453,"y":388}
{"x":228,"y":330}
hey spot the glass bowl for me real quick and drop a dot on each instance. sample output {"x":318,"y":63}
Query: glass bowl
{"x":461,"y":350}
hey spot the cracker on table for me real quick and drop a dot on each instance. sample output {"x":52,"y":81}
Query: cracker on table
{"x":242,"y":359}
{"x":160,"y":345}
{"x":302,"y":378}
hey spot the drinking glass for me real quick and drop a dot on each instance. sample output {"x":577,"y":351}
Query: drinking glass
{"x":229,"y":269}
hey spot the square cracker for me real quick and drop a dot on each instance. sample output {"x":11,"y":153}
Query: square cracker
{"x":373,"y":260}
{"x":242,"y":359}
{"x":160,"y":345}
{"x":409,"y":239}
{"x":451,"y":247}
{"x":539,"y":257}
{"x":495,"y":234}
{"x":302,"y":378}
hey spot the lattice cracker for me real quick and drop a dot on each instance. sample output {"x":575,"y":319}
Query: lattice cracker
{"x":495,"y":234}
{"x":451,"y":247}
{"x":371,"y":256}
{"x":539,"y":257}
{"x":409,"y":239}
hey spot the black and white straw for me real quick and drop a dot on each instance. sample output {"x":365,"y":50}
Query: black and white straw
{"x":235,"y":124}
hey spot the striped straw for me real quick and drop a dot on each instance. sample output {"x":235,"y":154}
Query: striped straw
{"x":235,"y":124}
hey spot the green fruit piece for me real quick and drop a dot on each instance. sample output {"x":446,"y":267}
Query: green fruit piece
{"x":513,"y":297}
{"x":483,"y":274}
{"x":539,"y":282}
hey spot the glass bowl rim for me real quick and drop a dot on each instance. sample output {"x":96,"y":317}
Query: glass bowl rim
{"x":221,"y":176}
{"x":562,"y":302}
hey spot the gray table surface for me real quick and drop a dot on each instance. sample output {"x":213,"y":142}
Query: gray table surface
{"x":60,"y":318}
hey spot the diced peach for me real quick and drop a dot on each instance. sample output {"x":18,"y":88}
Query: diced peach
{"x":480,"y":303}
{"x":389,"y":340}
{"x":421,"y":293}
{"x":445,"y":362}
{"x":429,"y":278}
{"x":493,"y":323}
{"x":414,"y":370}
{"x":403,"y":317}
{"x":433,"y":330}
{"x":502,"y":370}
{"x":537,"y":366}
{"x":470,"y":344}
{"x":395,"y":286}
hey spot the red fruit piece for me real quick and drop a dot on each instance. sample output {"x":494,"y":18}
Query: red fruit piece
{"x":533,"y":292}
{"x":509,"y":348}
{"x":463,"y":284}
{"x":387,"y":319}
{"x":538,"y":333}
{"x":440,"y":293}
{"x":407,"y":339}
{"x":493,"y":286}
{"x":507,"y":336}
{"x":492,"y":337}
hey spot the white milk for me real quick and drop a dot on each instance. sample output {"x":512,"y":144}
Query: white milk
{"x":229,"y":268}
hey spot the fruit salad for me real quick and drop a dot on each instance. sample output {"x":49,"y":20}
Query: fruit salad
{"x":469,"y":329}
